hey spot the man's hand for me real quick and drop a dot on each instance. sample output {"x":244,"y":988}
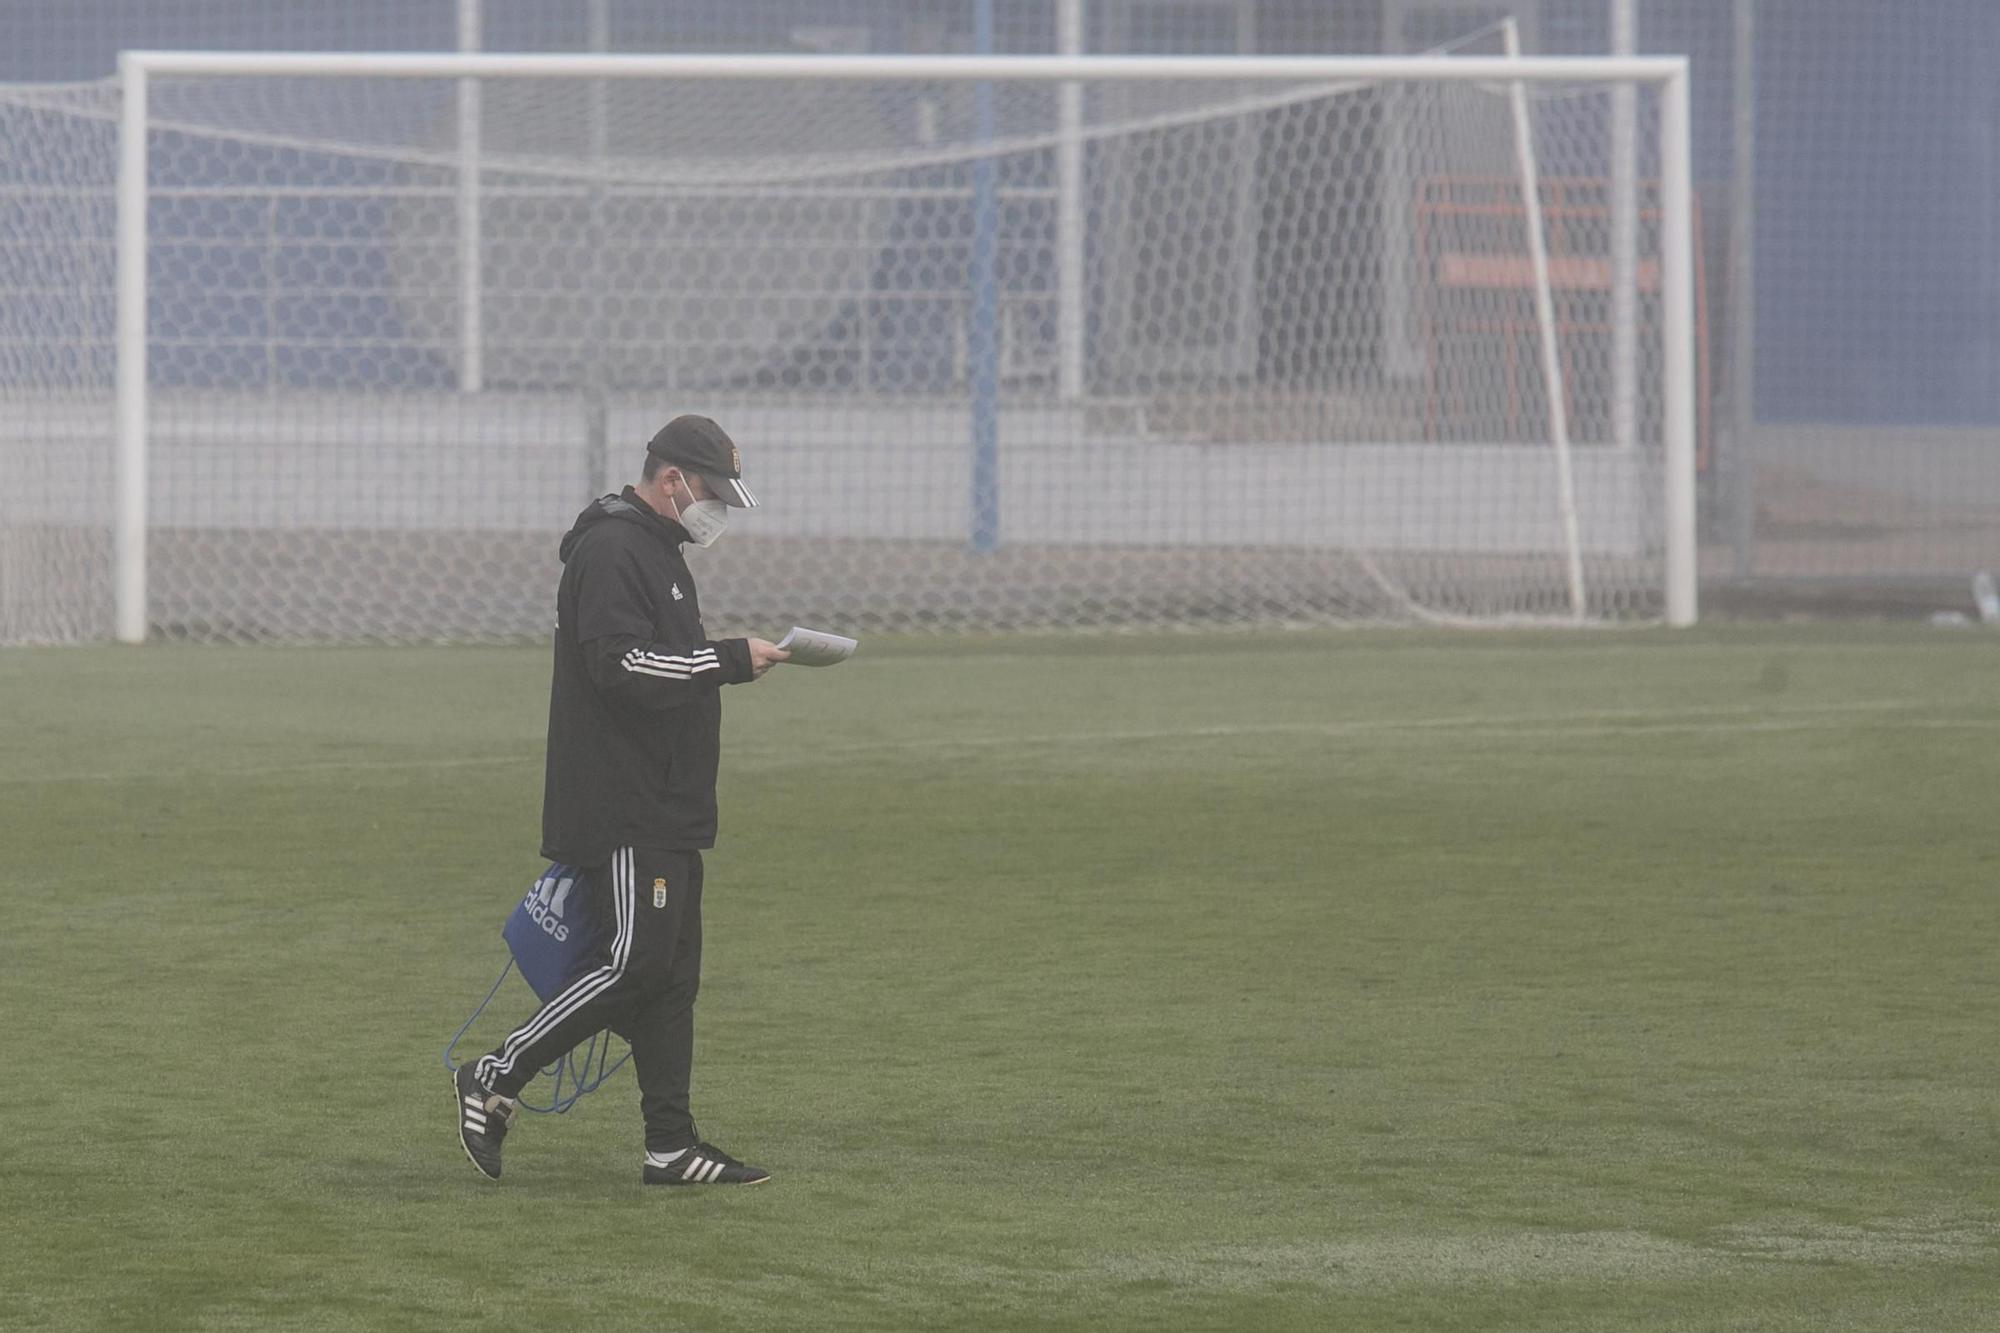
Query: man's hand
{"x":763,"y":656}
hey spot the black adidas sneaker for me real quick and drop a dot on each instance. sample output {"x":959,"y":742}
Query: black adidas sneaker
{"x":483,"y":1117}
{"x":703,"y":1164}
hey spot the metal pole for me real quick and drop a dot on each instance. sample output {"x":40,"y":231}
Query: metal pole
{"x":1239,"y":354}
{"x":270,"y":276}
{"x":1677,"y":337}
{"x":1553,"y":387}
{"x":596,"y":375}
{"x":471,"y":330}
{"x":1069,"y":208}
{"x":1402,"y":357}
{"x":1624,"y":234}
{"x":982,"y":333}
{"x":1743,"y":299}
{"x":917,"y":69}
{"x":129,"y":526}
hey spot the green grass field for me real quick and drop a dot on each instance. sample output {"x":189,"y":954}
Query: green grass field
{"x":1598,"y":981}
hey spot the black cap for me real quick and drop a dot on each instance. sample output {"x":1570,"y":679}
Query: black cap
{"x":704,"y":448}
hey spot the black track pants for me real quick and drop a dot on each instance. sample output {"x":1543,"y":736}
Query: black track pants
{"x":642,"y":986}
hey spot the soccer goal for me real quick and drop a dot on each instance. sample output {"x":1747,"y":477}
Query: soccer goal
{"x":1008,"y":342}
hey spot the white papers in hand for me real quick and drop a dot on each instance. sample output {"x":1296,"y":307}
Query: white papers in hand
{"x":815,"y":647}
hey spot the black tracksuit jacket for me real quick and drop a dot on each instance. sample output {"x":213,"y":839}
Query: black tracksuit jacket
{"x":635,"y":718}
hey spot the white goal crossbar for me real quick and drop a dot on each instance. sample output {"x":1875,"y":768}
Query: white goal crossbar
{"x":1666,"y":76}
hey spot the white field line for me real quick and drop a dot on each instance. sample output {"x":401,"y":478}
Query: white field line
{"x":1578,"y":725}
{"x":1622,"y":722}
{"x":1548,"y":1260}
{"x":1449,"y":645}
{"x":1555,"y":1258}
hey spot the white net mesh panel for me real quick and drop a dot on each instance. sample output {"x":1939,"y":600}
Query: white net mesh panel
{"x":1222,"y":353}
{"x":58,"y":157}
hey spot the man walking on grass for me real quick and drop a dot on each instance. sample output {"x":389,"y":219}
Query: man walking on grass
{"x":629,"y":796}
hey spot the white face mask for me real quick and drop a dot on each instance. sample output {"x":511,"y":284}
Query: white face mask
{"x":703,"y":519}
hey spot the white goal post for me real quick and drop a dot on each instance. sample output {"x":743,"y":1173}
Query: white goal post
{"x":1222,"y":346}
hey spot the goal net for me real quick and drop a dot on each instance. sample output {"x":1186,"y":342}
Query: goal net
{"x":58,"y":163}
{"x":1131,"y":350}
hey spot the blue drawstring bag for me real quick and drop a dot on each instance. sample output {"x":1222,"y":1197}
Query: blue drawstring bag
{"x":550,"y":933}
{"x":552,"y":938}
